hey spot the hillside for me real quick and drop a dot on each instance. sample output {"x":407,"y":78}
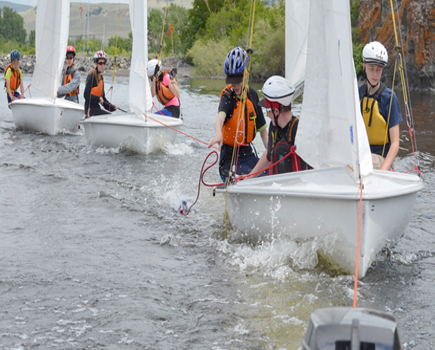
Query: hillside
{"x":14,"y":6}
{"x":103,"y":17}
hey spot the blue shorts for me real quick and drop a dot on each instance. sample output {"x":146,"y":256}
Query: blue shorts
{"x":16,"y":94}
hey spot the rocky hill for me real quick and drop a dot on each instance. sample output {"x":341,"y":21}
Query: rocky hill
{"x":415,"y":21}
{"x":103,"y":17}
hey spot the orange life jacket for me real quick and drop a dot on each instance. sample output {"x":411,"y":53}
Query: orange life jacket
{"x":164,"y":94}
{"x":99,"y":89}
{"x":15,"y":78}
{"x":68,"y":78}
{"x":246,"y":131}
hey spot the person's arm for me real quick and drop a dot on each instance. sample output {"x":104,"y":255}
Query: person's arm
{"x":264,"y":136}
{"x":107,"y":105}
{"x":8,"y":89}
{"x":174,"y":88}
{"x":21,"y":85}
{"x":394,"y":147}
{"x":218,"y":138}
{"x":71,"y":86}
{"x":262,"y":163}
{"x":153,"y":86}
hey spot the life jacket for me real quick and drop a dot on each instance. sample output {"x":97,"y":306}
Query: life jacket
{"x":281,"y":148}
{"x":375,"y":123}
{"x":15,"y":78}
{"x":246,"y":131}
{"x":68,"y":78}
{"x":164,"y":93}
{"x":99,"y":89}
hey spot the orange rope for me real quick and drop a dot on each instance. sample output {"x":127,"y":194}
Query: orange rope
{"x":170,"y":127}
{"x":357,"y":247}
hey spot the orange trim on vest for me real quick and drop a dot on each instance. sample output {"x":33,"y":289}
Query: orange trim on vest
{"x":164,"y":93}
{"x":68,"y":78}
{"x":99,"y":89}
{"x":246,"y":131}
{"x":15,"y":78}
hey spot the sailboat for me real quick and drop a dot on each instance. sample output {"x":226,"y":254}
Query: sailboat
{"x":138,"y":130}
{"x":48,"y":114}
{"x":324,"y":204}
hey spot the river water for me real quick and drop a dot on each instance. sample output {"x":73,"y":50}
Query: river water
{"x":95,"y":255}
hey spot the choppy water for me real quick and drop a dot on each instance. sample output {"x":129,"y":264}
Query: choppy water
{"x":94,"y":254}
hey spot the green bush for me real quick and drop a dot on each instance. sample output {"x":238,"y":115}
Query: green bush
{"x":208,"y":57}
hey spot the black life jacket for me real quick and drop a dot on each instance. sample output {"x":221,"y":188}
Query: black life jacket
{"x":282,"y":147}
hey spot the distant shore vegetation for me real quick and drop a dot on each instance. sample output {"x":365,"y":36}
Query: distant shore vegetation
{"x":202,"y":36}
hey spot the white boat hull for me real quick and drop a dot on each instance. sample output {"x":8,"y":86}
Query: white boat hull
{"x":324,"y":204}
{"x":47,"y":115}
{"x":138,"y":133}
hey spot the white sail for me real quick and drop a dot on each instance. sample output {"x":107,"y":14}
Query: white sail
{"x":296,"y":33}
{"x":52,"y":27}
{"x":330,"y":131}
{"x":140,"y":99}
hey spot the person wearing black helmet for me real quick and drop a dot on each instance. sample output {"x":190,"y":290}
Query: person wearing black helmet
{"x":94,"y":90}
{"x":278,"y":96}
{"x":230,"y":129}
{"x":381,"y":120}
{"x":71,"y":78}
{"x":14,"y":78}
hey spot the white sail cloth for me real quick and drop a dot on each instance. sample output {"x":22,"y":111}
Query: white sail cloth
{"x":331,"y":130}
{"x":52,"y":28}
{"x":140,"y":99}
{"x":296,"y":33}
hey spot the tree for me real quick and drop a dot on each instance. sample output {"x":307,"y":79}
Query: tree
{"x":197,"y":18}
{"x":155,"y":23}
{"x":32,"y":37}
{"x":12,"y":26}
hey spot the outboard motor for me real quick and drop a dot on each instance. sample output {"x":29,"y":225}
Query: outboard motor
{"x":346,"y":328}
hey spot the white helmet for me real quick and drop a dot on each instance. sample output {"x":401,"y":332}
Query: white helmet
{"x":277,"y":89}
{"x":151,"y":67}
{"x":375,"y":53}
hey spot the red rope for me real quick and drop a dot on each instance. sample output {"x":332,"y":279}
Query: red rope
{"x":201,"y":180}
{"x":170,"y":127}
{"x":413,"y":152}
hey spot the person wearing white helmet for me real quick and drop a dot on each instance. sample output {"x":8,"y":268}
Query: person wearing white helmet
{"x":70,"y":86}
{"x":230,"y":129}
{"x":381,"y":120}
{"x":278,"y":96}
{"x":164,"y":85}
{"x":14,"y":78}
{"x":94,"y":90}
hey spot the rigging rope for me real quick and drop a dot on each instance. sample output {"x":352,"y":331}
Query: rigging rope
{"x":116,"y":50}
{"x":161,"y":40}
{"x":405,"y":88}
{"x":241,"y":116}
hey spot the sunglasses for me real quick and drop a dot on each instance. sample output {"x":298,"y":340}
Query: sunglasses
{"x":69,"y":57}
{"x":101,"y":63}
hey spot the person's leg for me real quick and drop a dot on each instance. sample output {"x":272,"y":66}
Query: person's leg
{"x":245,"y":165}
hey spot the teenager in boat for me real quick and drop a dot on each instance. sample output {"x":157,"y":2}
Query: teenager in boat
{"x":94,"y":90}
{"x":164,"y":85}
{"x":381,"y":121}
{"x":229,"y":112}
{"x":70,"y":79}
{"x":283,"y":126}
{"x":14,"y":78}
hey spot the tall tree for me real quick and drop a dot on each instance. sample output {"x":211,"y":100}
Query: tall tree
{"x":12,"y":26}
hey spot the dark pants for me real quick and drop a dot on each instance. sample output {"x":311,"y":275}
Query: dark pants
{"x":16,"y":95}
{"x":244,"y":166}
{"x":170,"y":111}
